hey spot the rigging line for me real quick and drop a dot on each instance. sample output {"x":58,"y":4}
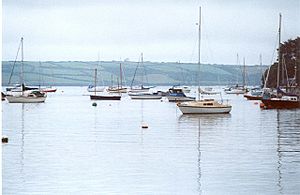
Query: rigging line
{"x":134,"y":74}
{"x":271,"y":62}
{"x":206,"y":35}
{"x":286,"y":73}
{"x":123,"y":74}
{"x":14,"y":63}
{"x":100,"y":67}
{"x":144,"y":68}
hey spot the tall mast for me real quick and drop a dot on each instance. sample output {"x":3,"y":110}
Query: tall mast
{"x":121,"y":75}
{"x":295,"y":76}
{"x":95,"y":86}
{"x":238,"y":64}
{"x":279,"y":53}
{"x":22,"y":64}
{"x":261,"y":69}
{"x":199,"y":44}
{"x":142,"y":62}
{"x":244,"y":72}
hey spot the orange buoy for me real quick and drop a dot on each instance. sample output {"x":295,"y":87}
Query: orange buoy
{"x":262,"y":105}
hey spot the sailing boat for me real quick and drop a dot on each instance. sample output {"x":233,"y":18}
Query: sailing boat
{"x":206,"y":106}
{"x":256,"y":92}
{"x":141,"y":87}
{"x":237,"y":89}
{"x":93,"y":88}
{"x":48,"y":89}
{"x":119,"y":88}
{"x":283,"y":99}
{"x":26,"y":95}
{"x":141,"y":92}
{"x":104,"y":96}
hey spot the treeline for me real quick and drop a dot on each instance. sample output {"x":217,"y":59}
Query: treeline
{"x":289,"y":69}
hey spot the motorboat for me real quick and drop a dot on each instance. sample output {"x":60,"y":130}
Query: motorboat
{"x":177,"y":95}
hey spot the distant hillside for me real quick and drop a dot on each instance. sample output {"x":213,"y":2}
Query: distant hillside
{"x":290,"y":58}
{"x":81,"y":73}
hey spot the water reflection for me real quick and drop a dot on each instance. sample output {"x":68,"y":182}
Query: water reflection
{"x":203,"y":116}
{"x":288,"y":149}
{"x":62,"y":146}
{"x":199,"y":157}
{"x":22,"y":142}
{"x":202,"y":120}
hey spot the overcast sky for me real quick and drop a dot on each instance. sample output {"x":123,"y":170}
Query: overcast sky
{"x":164,"y":30}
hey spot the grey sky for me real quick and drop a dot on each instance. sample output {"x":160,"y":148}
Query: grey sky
{"x":163,"y":30}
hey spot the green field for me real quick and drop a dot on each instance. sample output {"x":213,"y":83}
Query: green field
{"x":80,"y":73}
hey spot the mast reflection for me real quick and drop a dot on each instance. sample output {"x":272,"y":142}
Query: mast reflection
{"x":288,"y":150}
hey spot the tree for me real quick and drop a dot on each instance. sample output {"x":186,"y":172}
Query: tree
{"x":290,"y":58}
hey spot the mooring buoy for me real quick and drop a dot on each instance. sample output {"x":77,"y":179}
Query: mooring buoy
{"x":94,"y":104}
{"x":144,"y":126}
{"x":4,"y":139}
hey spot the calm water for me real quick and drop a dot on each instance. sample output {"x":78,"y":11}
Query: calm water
{"x":67,"y":146}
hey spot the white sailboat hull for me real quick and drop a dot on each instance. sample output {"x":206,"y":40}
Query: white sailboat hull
{"x":25,"y":99}
{"x":145,"y":97}
{"x":236,"y":91}
{"x":98,"y":89}
{"x":203,"y":110}
{"x":138,"y":90}
{"x":206,"y":106}
{"x":120,"y":90}
{"x":180,"y":99}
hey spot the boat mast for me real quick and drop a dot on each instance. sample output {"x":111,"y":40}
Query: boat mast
{"x":199,"y":44}
{"x":261,"y":69}
{"x":22,"y":59}
{"x":95,"y":86}
{"x":22,"y":66}
{"x":295,"y":76}
{"x":279,"y":54}
{"x":120,"y":75}
{"x":142,"y":62}
{"x":244,"y":73}
{"x":238,"y":64}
